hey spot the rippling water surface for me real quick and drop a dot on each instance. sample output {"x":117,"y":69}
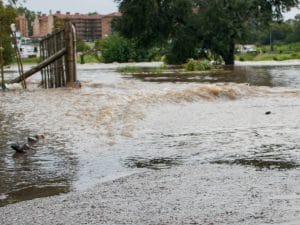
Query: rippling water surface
{"x":122,"y":124}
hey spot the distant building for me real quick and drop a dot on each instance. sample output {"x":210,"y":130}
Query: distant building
{"x":22,"y":25}
{"x":106,"y":23}
{"x":42,"y":26}
{"x":88,"y":27}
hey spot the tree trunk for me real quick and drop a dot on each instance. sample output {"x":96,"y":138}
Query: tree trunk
{"x":229,"y":55}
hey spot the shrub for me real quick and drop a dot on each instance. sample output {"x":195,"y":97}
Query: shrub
{"x":197,"y":65}
{"x":82,"y":47}
{"x":8,"y":51}
{"x":115,"y":49}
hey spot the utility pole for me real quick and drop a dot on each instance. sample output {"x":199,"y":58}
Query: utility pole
{"x":271,"y":41}
{"x":2,"y":63}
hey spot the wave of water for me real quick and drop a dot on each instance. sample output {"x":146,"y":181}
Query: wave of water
{"x":116,"y":124}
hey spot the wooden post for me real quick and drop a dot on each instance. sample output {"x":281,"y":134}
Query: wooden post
{"x":2,"y":64}
{"x":18,"y":56}
{"x":40,"y":66}
{"x":70,"y":38}
{"x":58,"y":54}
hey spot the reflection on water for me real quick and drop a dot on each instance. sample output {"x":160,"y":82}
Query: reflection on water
{"x":262,"y":164}
{"x":257,"y":76}
{"x":268,"y":156}
{"x":32,"y":192}
{"x":45,"y":170}
{"x":154,"y":164}
{"x":120,"y":124}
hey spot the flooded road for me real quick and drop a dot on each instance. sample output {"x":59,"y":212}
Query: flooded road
{"x":118,"y":125}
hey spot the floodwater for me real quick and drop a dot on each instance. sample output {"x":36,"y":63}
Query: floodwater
{"x":118,"y":125}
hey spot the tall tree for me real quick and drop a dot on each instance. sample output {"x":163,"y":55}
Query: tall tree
{"x":216,"y":25}
{"x":30,"y":16}
{"x":226,"y":22}
{"x":7,"y":17}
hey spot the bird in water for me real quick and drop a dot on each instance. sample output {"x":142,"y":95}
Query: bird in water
{"x":25,"y":147}
{"x":35,"y":139}
{"x":20,"y":149}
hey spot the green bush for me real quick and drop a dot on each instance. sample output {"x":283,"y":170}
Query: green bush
{"x":115,"y":49}
{"x":197,"y":65}
{"x":82,"y":46}
{"x":8,"y":51}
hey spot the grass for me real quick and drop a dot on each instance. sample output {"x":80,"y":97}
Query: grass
{"x":130,"y":69}
{"x":268,"y":56}
{"x":29,"y":61}
{"x":88,"y":59}
{"x":280,"y":52}
{"x":292,"y":47}
{"x":135,"y":69}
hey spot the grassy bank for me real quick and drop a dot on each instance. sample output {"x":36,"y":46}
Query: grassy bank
{"x":136,"y":69}
{"x":267,"y":56}
{"x":280,"y":52}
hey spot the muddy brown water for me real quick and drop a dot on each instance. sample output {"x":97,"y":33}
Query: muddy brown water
{"x":118,"y":124}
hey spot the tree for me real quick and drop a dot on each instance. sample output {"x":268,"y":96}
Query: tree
{"x":148,"y":22}
{"x":295,"y":34}
{"x":215,"y":25}
{"x":30,"y":16}
{"x":7,"y":17}
{"x":224,"y":23}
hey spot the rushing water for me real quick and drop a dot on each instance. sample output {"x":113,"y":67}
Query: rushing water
{"x":122,"y":124}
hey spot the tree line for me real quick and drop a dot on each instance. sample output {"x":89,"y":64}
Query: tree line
{"x":282,"y":32}
{"x":199,"y":28}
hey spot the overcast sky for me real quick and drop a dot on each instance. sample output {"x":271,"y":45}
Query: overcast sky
{"x":81,"y":6}
{"x":85,"y":6}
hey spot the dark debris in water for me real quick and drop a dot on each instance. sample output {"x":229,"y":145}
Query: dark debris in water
{"x":154,"y":164}
{"x":261,"y":163}
{"x":33,"y":192}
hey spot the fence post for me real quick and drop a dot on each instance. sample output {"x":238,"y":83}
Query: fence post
{"x":70,"y":37}
{"x":1,"y":64}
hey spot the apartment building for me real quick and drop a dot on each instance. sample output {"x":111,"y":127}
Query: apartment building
{"x":43,"y":25}
{"x":22,"y":25}
{"x":88,"y":27}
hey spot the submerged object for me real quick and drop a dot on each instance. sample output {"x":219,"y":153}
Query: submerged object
{"x":35,"y":138}
{"x":25,"y":147}
{"x":20,"y":149}
{"x":268,"y":113}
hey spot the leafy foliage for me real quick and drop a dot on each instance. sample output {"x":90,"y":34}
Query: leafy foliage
{"x":7,"y":17}
{"x":188,"y":28}
{"x":115,"y":49}
{"x":30,"y":16}
{"x":197,"y":65}
{"x":82,"y":46}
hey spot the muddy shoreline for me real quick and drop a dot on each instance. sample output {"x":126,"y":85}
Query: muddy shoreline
{"x":190,"y":194}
